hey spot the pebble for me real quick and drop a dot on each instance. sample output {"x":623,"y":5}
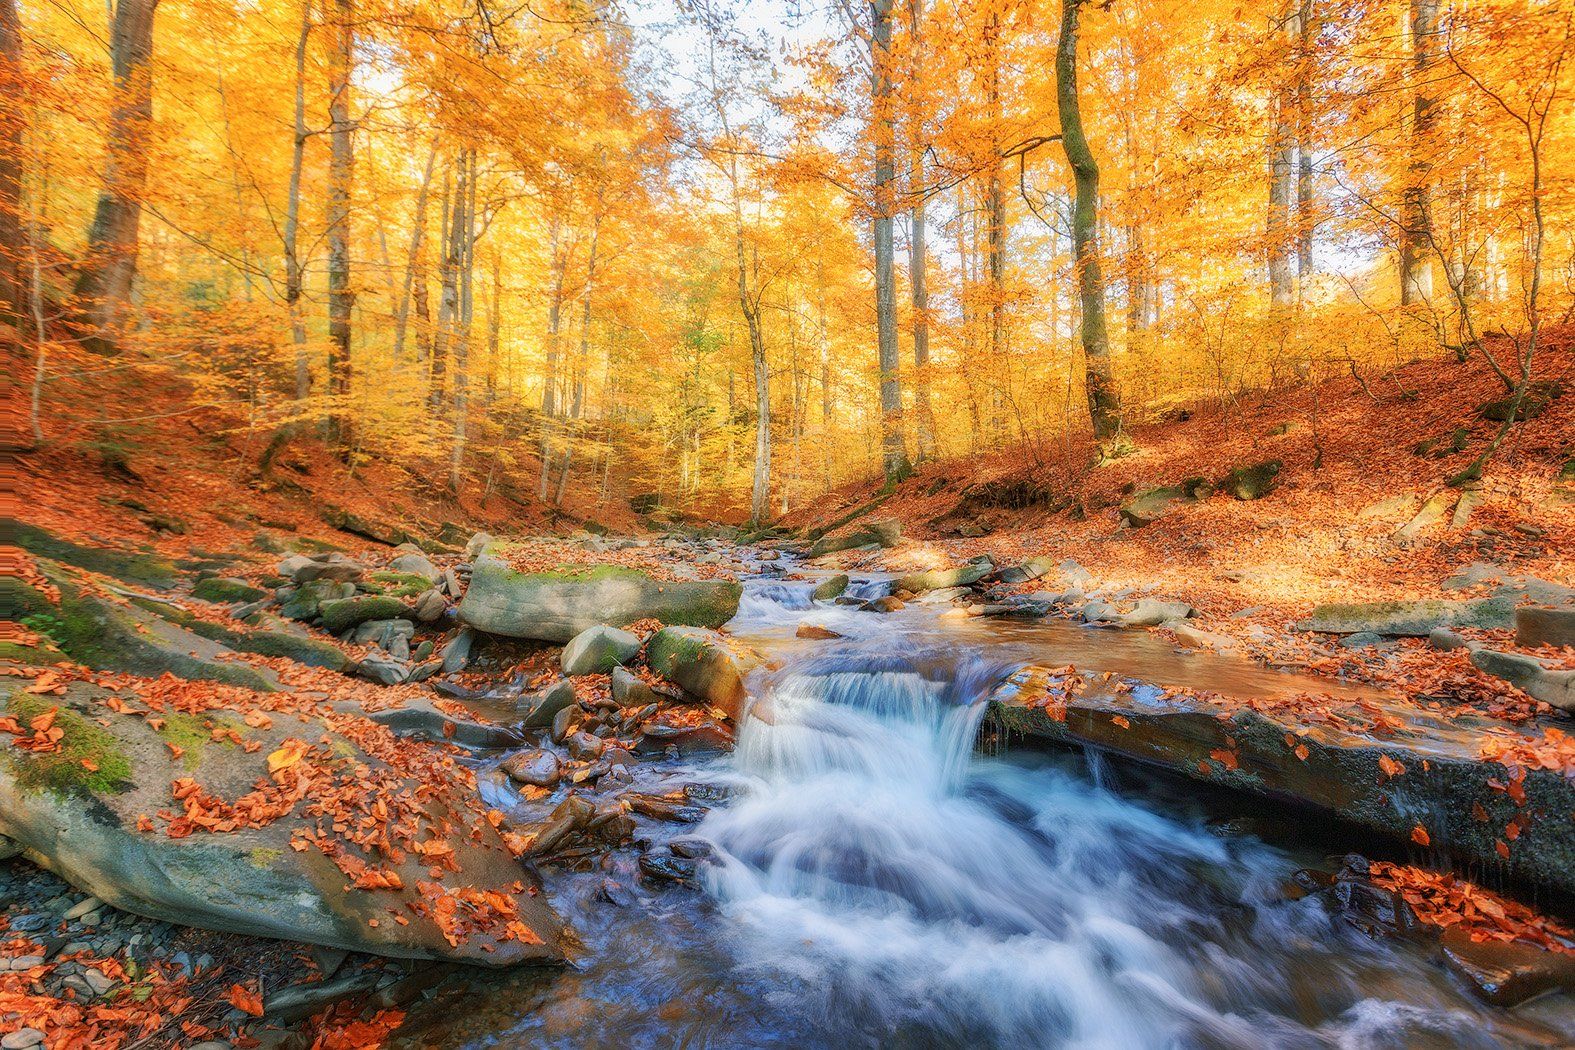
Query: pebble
{"x":97,"y":981}
{"x":21,"y":1039}
{"x":82,"y":907}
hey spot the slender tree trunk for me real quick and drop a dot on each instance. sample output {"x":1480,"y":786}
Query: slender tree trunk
{"x":1282,"y":143}
{"x":417,"y":236}
{"x":577,"y":400}
{"x":341,"y":172}
{"x":1306,"y":222}
{"x":437,"y":373}
{"x":995,"y":232}
{"x":293,"y":281}
{"x":549,"y":387}
{"x":465,"y":238}
{"x":894,"y":453}
{"x":917,"y":247}
{"x":12,"y":119}
{"x":1416,"y":271}
{"x":1104,"y":407}
{"x":447,"y":339}
{"x":495,"y":327}
{"x":110,"y":264}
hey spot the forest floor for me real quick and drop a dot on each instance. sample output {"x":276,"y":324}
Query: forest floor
{"x":1336,"y":526}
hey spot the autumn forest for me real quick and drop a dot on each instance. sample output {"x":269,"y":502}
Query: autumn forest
{"x":783,"y":522}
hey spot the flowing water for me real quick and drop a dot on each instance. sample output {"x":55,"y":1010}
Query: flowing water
{"x":877,"y":882}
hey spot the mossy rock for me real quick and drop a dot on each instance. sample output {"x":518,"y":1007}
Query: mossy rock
{"x":83,"y":823}
{"x":936,"y":579}
{"x":1409,"y":619}
{"x":557,"y":604}
{"x":1150,"y":505}
{"x":1253,"y":482}
{"x":272,"y":638}
{"x":707,"y":665}
{"x":826,"y":590}
{"x":153,"y":570}
{"x":307,"y":601}
{"x":887,"y":532}
{"x":108,"y":636}
{"x":1538,"y":397}
{"x":341,"y":614}
{"x":227,"y":590}
{"x":396,"y":584}
{"x":88,"y":761}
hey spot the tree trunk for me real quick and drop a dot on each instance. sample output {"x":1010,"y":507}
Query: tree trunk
{"x":13,"y":287}
{"x":894,"y":453}
{"x":917,"y":247}
{"x":549,"y":386}
{"x":110,"y":264}
{"x":1305,"y":221}
{"x":1282,"y":143}
{"x":293,"y":280}
{"x":465,"y":243}
{"x":402,"y":313}
{"x":577,"y":401}
{"x":1104,"y":407}
{"x":437,"y":373}
{"x":341,"y":171}
{"x":1416,"y":270}
{"x":995,"y":232}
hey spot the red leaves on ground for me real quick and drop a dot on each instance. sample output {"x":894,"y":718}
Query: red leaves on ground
{"x":245,"y":1000}
{"x":1442,"y":899}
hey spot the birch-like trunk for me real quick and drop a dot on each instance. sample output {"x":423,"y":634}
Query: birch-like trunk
{"x":1416,"y":270}
{"x":341,"y":173}
{"x":1282,"y":144}
{"x":894,"y":453}
{"x":918,"y":259}
{"x":13,"y":287}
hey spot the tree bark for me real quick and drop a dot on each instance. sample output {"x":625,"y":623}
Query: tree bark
{"x":1282,"y":143}
{"x":341,"y":172}
{"x":549,"y":386}
{"x":417,"y":236}
{"x":995,"y":232}
{"x":894,"y":453}
{"x":13,"y":285}
{"x":917,"y":247}
{"x":293,"y":281}
{"x":1305,"y":220}
{"x":1104,"y":406}
{"x":1416,"y":271}
{"x":110,"y":264}
{"x":465,"y":242}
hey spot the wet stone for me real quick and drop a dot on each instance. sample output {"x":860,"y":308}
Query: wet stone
{"x":669,"y":868}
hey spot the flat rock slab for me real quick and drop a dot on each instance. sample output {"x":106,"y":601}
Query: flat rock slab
{"x":555,"y":606}
{"x":1409,"y":619}
{"x":224,"y":819}
{"x":1443,"y":787}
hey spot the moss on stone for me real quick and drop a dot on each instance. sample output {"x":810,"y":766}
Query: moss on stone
{"x":225,"y":589}
{"x":131,"y":566}
{"x":396,"y":584}
{"x":64,"y":771}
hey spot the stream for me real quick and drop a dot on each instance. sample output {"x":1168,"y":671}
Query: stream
{"x":877,"y":881}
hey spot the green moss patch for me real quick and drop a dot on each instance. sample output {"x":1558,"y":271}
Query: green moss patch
{"x":396,"y":584}
{"x":63,"y":770}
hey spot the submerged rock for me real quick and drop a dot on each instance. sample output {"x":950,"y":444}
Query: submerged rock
{"x":829,"y":589}
{"x":538,"y":768}
{"x":556,"y":605}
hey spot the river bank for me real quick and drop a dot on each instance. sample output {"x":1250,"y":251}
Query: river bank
{"x":624,"y":852}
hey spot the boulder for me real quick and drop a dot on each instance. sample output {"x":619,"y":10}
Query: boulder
{"x":419,"y":719}
{"x":456,"y":654}
{"x":430,"y":606}
{"x":538,"y":768}
{"x":631,"y":691}
{"x":1433,"y":511}
{"x":829,"y":589}
{"x":890,"y":603}
{"x":597,"y":650}
{"x":1408,"y":619}
{"x":1028,"y":570}
{"x":705,"y":664}
{"x":1151,"y":613}
{"x":556,"y":605}
{"x":226,"y":590}
{"x":330,"y":566}
{"x":885,"y":532}
{"x":1529,"y":675}
{"x":935,"y":579}
{"x":341,"y":614}
{"x":306,"y":601}
{"x":1152,"y":504}
{"x":383,"y":670}
{"x":1538,"y":397}
{"x":417,"y":564}
{"x":270,"y":636}
{"x":540,"y":708}
{"x":90,"y":811}
{"x":1253,"y":482}
{"x":1535,"y":627}
{"x":476,"y":544}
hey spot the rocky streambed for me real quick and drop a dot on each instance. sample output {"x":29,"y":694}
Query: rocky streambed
{"x":702,"y":821}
